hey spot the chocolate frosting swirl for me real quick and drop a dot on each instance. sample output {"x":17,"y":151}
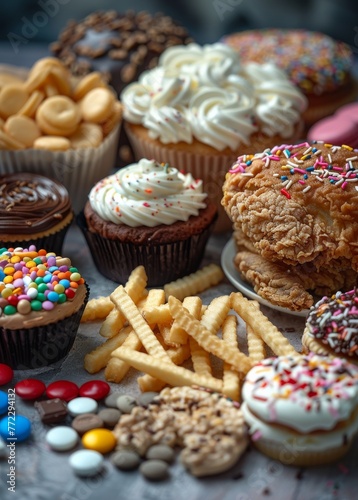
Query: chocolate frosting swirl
{"x":31,"y":203}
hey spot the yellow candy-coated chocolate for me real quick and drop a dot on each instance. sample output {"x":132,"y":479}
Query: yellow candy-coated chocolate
{"x":101,"y":440}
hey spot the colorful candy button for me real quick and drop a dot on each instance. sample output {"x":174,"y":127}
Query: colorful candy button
{"x":30,"y":388}
{"x":101,"y":440}
{"x":62,"y":438}
{"x":95,"y":389}
{"x":79,"y":406}
{"x":18,"y":427}
{"x":6,"y":374}
{"x":86,"y":462}
{"x":62,"y":389}
{"x":3,"y":402}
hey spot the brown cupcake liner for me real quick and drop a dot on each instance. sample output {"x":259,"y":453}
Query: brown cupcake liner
{"x":51,"y":242}
{"x":40,"y":346}
{"x":163,"y":263}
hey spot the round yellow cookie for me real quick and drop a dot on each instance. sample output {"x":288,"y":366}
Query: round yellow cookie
{"x":7,"y":78}
{"x":8,"y":142}
{"x":58,"y":115}
{"x":23,"y":129}
{"x":31,"y":105}
{"x":97,"y":105}
{"x":52,"y":143}
{"x":113,"y":120}
{"x":12,"y":98}
{"x":88,"y":135}
{"x":87,"y":83}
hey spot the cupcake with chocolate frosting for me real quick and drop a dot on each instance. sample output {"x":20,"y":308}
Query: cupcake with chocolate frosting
{"x":33,"y":210}
{"x":148,"y":214}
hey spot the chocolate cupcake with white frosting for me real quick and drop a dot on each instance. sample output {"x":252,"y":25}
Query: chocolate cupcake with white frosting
{"x":148,"y":214}
{"x":33,"y":210}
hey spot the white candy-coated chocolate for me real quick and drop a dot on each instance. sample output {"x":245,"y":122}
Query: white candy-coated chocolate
{"x":81,"y":405}
{"x":86,"y":462}
{"x":62,"y":438}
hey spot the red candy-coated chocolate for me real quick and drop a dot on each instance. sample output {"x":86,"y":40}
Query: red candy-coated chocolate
{"x":62,"y":389}
{"x":30,"y":388}
{"x":6,"y":374}
{"x":95,"y":389}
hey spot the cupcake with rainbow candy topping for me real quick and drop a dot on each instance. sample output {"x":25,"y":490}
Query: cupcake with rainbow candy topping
{"x":42,"y":297}
{"x":148,"y":214}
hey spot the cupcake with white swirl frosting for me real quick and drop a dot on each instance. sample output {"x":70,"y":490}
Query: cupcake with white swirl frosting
{"x":200,"y":108}
{"x":148,"y":214}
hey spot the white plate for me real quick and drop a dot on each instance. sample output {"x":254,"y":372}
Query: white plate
{"x":227,"y":264}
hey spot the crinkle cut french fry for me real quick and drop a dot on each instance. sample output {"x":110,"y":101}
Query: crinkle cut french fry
{"x":255,"y":344}
{"x":117,"y":369}
{"x":261,"y":325}
{"x":97,"y":308}
{"x":194,"y":305}
{"x":135,"y":286}
{"x":194,"y":283}
{"x":97,"y":359}
{"x":215,"y":314}
{"x":200,"y":358}
{"x":178,"y":355}
{"x":149,"y":340}
{"x":231,"y":378}
{"x":166,"y":370}
{"x":112,"y":324}
{"x":158,"y":315}
{"x":207,"y":340}
{"x":165,"y":332}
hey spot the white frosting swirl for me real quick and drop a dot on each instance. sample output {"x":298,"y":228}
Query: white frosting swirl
{"x":147,"y":194}
{"x":240,"y":98}
{"x":221,"y":119}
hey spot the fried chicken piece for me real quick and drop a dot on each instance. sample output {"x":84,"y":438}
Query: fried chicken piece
{"x":297,"y":207}
{"x":293,"y":287}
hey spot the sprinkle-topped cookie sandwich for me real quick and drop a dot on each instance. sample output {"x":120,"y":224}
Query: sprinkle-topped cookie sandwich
{"x":302,"y":410}
{"x":42,"y":297}
{"x":295,"y":215}
{"x":332,"y":326}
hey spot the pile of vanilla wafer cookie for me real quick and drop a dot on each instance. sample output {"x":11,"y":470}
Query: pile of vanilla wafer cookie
{"x":49,"y":110}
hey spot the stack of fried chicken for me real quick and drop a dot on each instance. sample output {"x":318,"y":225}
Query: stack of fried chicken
{"x":294,"y":210}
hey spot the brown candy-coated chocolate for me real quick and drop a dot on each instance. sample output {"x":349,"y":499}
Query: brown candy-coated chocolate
{"x":86,"y":422}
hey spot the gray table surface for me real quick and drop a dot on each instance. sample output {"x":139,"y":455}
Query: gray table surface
{"x":42,"y":474}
